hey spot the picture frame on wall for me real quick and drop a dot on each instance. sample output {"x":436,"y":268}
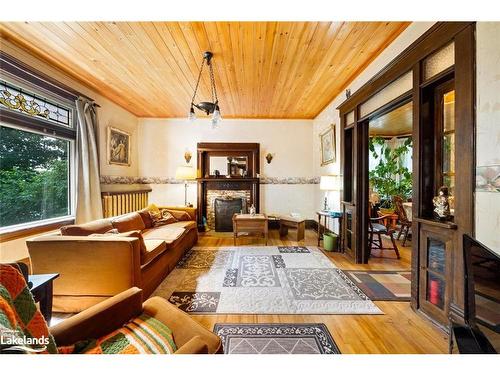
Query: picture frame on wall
{"x":118,"y":147}
{"x":328,"y":146}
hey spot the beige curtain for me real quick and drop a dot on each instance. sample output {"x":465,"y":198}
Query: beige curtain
{"x":88,"y":194}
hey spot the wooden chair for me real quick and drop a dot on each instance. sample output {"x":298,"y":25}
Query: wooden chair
{"x":375,"y":231}
{"x":403,"y":219}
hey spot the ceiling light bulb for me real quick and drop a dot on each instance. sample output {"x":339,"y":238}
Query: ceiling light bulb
{"x":216,"y":116}
{"x":215,"y":123}
{"x":192,"y":115}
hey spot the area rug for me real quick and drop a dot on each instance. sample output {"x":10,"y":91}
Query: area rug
{"x":262,"y":280}
{"x":383,"y":285}
{"x":276,"y":339}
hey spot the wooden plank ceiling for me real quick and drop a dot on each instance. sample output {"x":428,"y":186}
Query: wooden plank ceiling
{"x":398,"y":122}
{"x":263,"y":69}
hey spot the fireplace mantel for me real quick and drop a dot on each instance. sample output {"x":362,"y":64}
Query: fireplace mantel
{"x":207,"y":182}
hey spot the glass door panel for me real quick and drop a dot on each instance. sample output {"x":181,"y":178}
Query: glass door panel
{"x":448,"y":140}
{"x":436,"y":288}
{"x":436,"y":256}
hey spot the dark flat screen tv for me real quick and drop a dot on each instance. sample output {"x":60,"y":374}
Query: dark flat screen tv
{"x":482,"y":294}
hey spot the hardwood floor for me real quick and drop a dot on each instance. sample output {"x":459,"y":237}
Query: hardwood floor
{"x":400,"y":330}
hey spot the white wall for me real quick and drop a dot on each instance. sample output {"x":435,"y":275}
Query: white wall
{"x":330,"y":115}
{"x":163,"y":142}
{"x":488,"y":130}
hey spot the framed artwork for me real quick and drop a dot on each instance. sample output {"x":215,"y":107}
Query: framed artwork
{"x":328,"y":149}
{"x":118,"y":147}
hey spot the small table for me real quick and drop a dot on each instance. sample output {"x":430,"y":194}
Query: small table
{"x":294,"y":223}
{"x":326,"y":215}
{"x":247,"y":223}
{"x":390,"y":220}
{"x":41,"y":288}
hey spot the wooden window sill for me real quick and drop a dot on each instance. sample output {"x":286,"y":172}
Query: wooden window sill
{"x":33,"y":230}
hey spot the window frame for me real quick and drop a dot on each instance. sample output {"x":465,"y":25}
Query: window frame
{"x":34,"y":124}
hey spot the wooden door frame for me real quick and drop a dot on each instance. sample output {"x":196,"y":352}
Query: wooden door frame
{"x":438,"y":36}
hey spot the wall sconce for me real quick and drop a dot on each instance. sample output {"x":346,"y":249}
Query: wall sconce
{"x":187,"y":156}
{"x":269,"y":157}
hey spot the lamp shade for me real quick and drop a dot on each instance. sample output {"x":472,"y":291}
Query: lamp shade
{"x":185,"y":172}
{"x":328,"y":183}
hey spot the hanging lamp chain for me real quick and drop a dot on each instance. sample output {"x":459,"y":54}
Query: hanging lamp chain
{"x":212,"y":79}
{"x":198,"y":81}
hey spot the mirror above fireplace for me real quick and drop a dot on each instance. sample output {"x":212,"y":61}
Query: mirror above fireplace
{"x":232,"y":166}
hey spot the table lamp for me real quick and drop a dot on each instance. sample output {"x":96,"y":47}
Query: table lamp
{"x":328,"y":183}
{"x":186,"y":173}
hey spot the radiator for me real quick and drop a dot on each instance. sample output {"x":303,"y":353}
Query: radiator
{"x":116,"y":203}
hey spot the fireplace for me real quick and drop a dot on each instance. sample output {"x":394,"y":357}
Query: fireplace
{"x":226,"y":171}
{"x":214,"y":193}
{"x":224,"y":208}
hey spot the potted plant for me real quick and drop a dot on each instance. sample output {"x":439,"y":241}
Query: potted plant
{"x":390,"y":177}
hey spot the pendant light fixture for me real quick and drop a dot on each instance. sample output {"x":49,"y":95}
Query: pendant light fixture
{"x":211,"y":107}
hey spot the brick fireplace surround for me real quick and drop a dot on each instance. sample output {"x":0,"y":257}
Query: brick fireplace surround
{"x":213,"y":194}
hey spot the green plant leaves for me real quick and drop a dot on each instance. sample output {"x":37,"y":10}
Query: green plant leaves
{"x":390,"y":177}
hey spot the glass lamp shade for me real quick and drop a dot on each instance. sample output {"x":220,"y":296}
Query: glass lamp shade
{"x":192,"y":115}
{"x":328,"y":183}
{"x":185,"y":172}
{"x":216,"y":118}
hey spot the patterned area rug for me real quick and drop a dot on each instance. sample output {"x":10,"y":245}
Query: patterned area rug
{"x":276,"y":339}
{"x":383,"y":285}
{"x":262,"y":280}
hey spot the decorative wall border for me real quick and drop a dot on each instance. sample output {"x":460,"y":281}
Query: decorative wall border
{"x":132,"y":180}
{"x":488,"y":178}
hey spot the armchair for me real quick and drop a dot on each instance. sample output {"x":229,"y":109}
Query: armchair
{"x":109,"y":315}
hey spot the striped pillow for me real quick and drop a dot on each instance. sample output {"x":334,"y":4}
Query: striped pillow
{"x":143,"y":335}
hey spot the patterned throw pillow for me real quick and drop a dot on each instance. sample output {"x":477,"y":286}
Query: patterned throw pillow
{"x":161,"y":217}
{"x":142,"y":335}
{"x":180,"y":215}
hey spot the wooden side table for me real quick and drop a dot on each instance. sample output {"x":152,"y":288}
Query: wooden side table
{"x":41,"y":288}
{"x":295,"y":223}
{"x":246,"y":223}
{"x":326,"y":215}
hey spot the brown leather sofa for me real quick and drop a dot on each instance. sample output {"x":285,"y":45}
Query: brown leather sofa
{"x":190,"y":337}
{"x":94,"y":267}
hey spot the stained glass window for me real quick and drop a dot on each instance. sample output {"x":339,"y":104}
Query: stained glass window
{"x":18,"y":99}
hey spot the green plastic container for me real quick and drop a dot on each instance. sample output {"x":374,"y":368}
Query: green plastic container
{"x":330,"y":241}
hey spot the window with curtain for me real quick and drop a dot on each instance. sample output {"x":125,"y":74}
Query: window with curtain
{"x":37,"y":136}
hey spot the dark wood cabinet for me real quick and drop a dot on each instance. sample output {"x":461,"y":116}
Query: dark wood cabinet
{"x":435,"y":274}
